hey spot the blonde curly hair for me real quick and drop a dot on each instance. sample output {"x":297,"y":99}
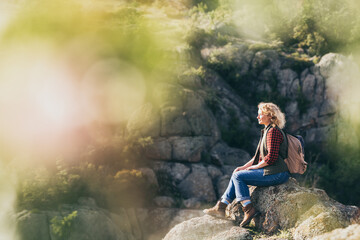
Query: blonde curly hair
{"x":277,"y":116}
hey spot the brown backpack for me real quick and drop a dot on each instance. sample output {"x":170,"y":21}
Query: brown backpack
{"x":295,"y":156}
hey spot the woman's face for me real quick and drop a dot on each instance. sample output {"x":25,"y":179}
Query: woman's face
{"x":263,"y":119}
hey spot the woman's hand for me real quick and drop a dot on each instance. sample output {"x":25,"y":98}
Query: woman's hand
{"x":238,"y":169}
{"x":252,"y":167}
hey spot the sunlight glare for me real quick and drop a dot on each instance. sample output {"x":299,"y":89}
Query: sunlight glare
{"x":37,"y":96}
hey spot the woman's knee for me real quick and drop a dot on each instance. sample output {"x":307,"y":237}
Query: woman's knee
{"x":238,"y":175}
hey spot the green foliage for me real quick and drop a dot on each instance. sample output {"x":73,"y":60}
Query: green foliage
{"x":317,"y":26}
{"x":209,"y":27}
{"x":336,"y":169}
{"x":260,"y":46}
{"x":324,"y":26}
{"x":339,"y":175}
{"x":48,"y":189}
{"x":42,"y":189}
{"x":297,"y":64}
{"x":281,"y":234}
{"x":208,"y":5}
{"x":61,"y":227}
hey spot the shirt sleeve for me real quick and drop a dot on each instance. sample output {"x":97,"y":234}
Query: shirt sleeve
{"x":273,"y":140}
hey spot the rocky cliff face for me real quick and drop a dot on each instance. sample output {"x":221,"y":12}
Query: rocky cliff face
{"x":191,"y":163}
{"x":192,"y":120}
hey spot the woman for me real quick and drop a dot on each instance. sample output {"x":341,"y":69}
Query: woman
{"x":266,"y":168}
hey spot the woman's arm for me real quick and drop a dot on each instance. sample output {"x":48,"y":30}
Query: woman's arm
{"x":273,"y":140}
{"x":245,"y":166}
{"x":261,"y":164}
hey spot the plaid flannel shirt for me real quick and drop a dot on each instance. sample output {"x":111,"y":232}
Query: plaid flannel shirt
{"x":273,"y":140}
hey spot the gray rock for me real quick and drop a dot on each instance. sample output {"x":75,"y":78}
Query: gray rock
{"x":317,"y":225}
{"x":309,"y":118}
{"x":188,"y":149}
{"x":179,"y":171}
{"x":288,"y":84}
{"x":168,"y":95}
{"x":33,"y":226}
{"x":351,"y":232}
{"x":214,"y":172}
{"x":176,"y":171}
{"x":192,"y":203}
{"x":199,"y":117}
{"x":174,"y":122}
{"x":328,"y":62}
{"x":318,"y":135}
{"x":184,"y":215}
{"x":308,"y":87}
{"x":184,"y":113}
{"x":222,"y":184}
{"x":229,"y":156}
{"x":105,"y":228}
{"x":308,"y":212}
{"x":266,"y":59}
{"x":150,"y":176}
{"x":164,"y":201}
{"x":319,"y":89}
{"x":235,"y":233}
{"x":160,"y":149}
{"x":198,"y":184}
{"x":328,"y":107}
{"x":88,"y":224}
{"x":201,"y":228}
{"x":87,"y":201}
{"x":228,"y":169}
{"x":161,"y":220}
{"x":160,"y":166}
{"x":292,"y":113}
{"x":145,"y":121}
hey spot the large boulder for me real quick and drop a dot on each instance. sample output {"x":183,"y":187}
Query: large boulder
{"x":188,"y":149}
{"x":352,"y":232}
{"x":198,"y":184}
{"x":159,"y":149}
{"x":32,"y":226}
{"x":222,"y":154}
{"x":307,"y":212}
{"x":145,"y":121}
{"x":329,"y":62}
{"x":157,"y":222}
{"x":207,"y":228}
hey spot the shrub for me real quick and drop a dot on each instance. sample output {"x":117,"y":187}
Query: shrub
{"x":61,"y":227}
{"x":336,"y":166}
{"x":48,"y":189}
{"x":317,"y":26}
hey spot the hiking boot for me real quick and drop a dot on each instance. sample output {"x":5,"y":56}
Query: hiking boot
{"x":249,"y":213}
{"x":217,"y":211}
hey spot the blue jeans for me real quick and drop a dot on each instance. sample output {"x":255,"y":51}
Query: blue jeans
{"x":238,"y":189}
